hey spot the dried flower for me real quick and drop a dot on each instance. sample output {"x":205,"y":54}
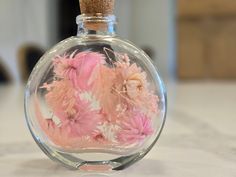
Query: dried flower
{"x":77,"y":117}
{"x":97,"y":104}
{"x":135,"y":129}
{"x":132,"y":87}
{"x":123,"y":87}
{"x":103,"y":91}
{"x":130,"y":81}
{"x":61,"y":136}
{"x":79,"y":69}
{"x":84,"y":122}
{"x":61,"y":97}
{"x":108,"y":130}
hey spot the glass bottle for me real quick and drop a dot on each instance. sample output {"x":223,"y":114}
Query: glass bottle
{"x":95,"y":102}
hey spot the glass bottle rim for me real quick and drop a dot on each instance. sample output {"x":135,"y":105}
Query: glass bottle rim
{"x":96,"y":18}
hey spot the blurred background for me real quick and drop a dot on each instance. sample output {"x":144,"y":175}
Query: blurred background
{"x":30,"y":27}
{"x":187,"y":39}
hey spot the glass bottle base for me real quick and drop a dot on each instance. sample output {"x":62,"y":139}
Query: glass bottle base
{"x":73,"y":162}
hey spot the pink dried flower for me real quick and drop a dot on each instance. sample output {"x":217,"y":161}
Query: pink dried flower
{"x":75,"y":115}
{"x":132,"y":86}
{"x":62,"y":137}
{"x":103,"y":91}
{"x":79,"y":69}
{"x":61,"y":97}
{"x":130,"y":81}
{"x":122,"y":88}
{"x":135,"y":129}
{"x":84,"y":122}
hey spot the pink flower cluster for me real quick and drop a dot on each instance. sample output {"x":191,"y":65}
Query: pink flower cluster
{"x":137,"y":128}
{"x":122,"y":91}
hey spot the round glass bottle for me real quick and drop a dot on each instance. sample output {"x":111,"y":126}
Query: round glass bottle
{"x":94,"y":101}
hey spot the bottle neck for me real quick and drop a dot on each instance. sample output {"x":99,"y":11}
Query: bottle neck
{"x":96,"y":25}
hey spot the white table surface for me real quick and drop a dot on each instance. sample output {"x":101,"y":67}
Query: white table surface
{"x":199,"y":139}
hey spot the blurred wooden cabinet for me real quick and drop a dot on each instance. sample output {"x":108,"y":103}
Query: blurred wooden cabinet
{"x":206,"y":39}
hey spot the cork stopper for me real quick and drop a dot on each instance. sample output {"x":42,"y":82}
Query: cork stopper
{"x":94,"y":7}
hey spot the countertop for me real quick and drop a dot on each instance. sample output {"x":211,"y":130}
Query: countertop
{"x":199,"y":138}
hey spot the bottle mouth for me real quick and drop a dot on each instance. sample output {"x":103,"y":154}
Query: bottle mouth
{"x":98,"y":18}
